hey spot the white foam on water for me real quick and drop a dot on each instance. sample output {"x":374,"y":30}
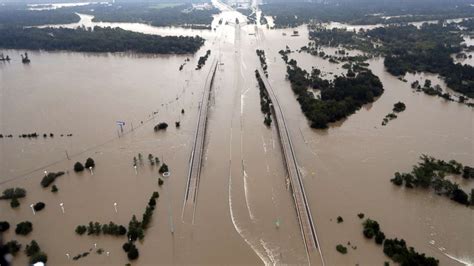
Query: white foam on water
{"x":465,"y":261}
{"x":240,"y":231}
{"x":251,"y":214}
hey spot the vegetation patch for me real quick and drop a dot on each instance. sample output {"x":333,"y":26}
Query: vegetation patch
{"x":202,"y":60}
{"x":431,"y":173}
{"x":33,"y":251}
{"x":293,"y":14}
{"x":163,"y":169}
{"x":96,"y":40}
{"x":95,"y":228}
{"x":397,"y":108}
{"x":341,"y":249}
{"x":13,"y":194}
{"x":136,"y":229}
{"x":339,"y":98}
{"x":39,"y":206}
{"x":396,"y":249}
{"x":263,"y":61}
{"x":78,"y":167}
{"x":24,"y":228}
{"x":89,"y":163}
{"x":50,"y":178}
{"x":436,"y":90}
{"x":160,"y":15}
{"x":265,"y":101}
{"x":13,"y":247}
{"x":161,"y":126}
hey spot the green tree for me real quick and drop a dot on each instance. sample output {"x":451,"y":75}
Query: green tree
{"x":341,"y":249}
{"x":133,"y":253}
{"x":78,"y":167}
{"x":32,"y":248}
{"x":14,"y":203}
{"x":163,"y":168}
{"x":81,"y":229}
{"x":13,"y":247}
{"x":24,"y":228}
{"x":39,"y":257}
{"x":89,"y":163}
{"x":4,"y":226}
{"x":39,"y":206}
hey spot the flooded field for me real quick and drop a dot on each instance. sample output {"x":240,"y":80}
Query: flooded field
{"x":243,"y":192}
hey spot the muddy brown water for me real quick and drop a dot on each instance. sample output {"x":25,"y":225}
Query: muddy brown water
{"x":243,"y":190}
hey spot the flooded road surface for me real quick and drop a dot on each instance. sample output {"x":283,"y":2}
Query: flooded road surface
{"x":348,"y":167}
{"x":243,"y":191}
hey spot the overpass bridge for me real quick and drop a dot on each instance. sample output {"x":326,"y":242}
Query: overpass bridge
{"x":308,"y":230}
{"x":195,"y":161}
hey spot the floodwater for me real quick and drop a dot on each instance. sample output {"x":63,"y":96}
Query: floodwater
{"x":350,"y":27}
{"x":243,"y":190}
{"x":86,"y":21}
{"x":40,"y":7}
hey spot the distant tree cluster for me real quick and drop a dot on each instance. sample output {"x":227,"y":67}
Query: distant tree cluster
{"x":179,"y":15}
{"x":34,"y":135}
{"x":436,"y":90}
{"x":339,"y":98}
{"x":396,"y":249}
{"x":316,"y":48}
{"x":13,"y":194}
{"x":18,"y":15}
{"x":431,"y":172}
{"x":96,"y":40}
{"x":293,"y":14}
{"x":397,"y":108}
{"x":339,"y":37}
{"x":249,"y":13}
{"x":95,"y":228}
{"x":409,"y":49}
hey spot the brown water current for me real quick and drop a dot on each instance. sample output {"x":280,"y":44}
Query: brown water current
{"x":243,"y":189}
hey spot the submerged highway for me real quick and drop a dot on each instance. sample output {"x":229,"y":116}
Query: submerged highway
{"x":195,"y":161}
{"x":308,"y":230}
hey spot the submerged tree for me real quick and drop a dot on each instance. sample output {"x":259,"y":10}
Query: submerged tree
{"x":78,"y":167}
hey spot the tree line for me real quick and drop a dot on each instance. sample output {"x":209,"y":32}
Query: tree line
{"x":409,"y":49}
{"x":291,"y":14}
{"x":96,"y":40}
{"x":179,"y":15}
{"x":431,"y":172}
{"x":339,"y":98}
{"x":396,"y":249}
